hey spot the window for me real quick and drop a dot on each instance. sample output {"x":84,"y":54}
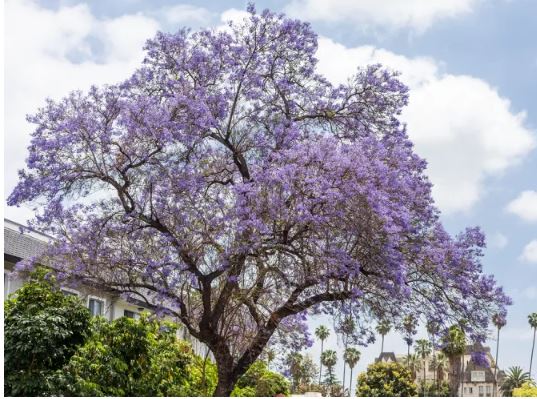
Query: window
{"x":465,"y":390}
{"x":481,"y":390}
{"x":471,"y":390}
{"x":130,"y":314}
{"x":96,"y":307}
{"x":489,"y":390}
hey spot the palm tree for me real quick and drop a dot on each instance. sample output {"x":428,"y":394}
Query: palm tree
{"x":409,"y":326}
{"x":414,"y":364}
{"x":346,"y":328}
{"x":454,"y":346}
{"x":383,"y":328}
{"x":441,"y":364}
{"x":532,"y":319}
{"x":433,"y":328}
{"x":329,"y":360}
{"x":270,"y":355}
{"x":514,"y":379}
{"x":351,"y":356}
{"x":322,"y":333}
{"x":423,"y":349}
{"x":499,"y":321}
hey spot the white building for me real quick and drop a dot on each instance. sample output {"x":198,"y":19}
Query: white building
{"x":21,"y":245}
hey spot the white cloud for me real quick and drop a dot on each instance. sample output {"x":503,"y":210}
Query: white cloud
{"x":49,"y":53}
{"x":529,"y":253}
{"x":460,"y":124}
{"x":525,"y":206}
{"x":233,"y":15}
{"x":418,"y":15}
{"x":185,"y":15}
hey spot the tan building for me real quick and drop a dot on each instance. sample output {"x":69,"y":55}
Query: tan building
{"x":478,"y":381}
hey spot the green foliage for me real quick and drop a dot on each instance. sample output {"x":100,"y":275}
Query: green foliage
{"x":260,"y":381}
{"x":130,"y":357}
{"x":441,"y":389}
{"x":386,"y":379}
{"x":527,"y":389}
{"x":42,"y":329}
{"x":302,"y":371}
{"x":515,"y":378}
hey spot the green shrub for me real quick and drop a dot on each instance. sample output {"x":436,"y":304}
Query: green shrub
{"x":386,"y":379}
{"x":42,"y":329}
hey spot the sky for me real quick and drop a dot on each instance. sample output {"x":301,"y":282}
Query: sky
{"x":471,"y":66}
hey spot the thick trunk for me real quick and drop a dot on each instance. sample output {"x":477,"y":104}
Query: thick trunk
{"x":225,"y":385}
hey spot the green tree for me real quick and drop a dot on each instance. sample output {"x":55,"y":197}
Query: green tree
{"x":433,"y":328}
{"x":383,"y":328}
{"x":413,"y":363}
{"x":527,"y":389}
{"x":409,"y":330}
{"x":532,"y":319}
{"x":423,"y":349}
{"x":260,"y":381}
{"x":129,"y":357}
{"x":386,"y":379}
{"x":515,"y":378}
{"x":498,"y":321}
{"x":42,"y":329}
{"x":454,"y":347}
{"x":346,"y":328}
{"x":322,"y":333}
{"x":351,"y":357}
{"x":302,"y":371}
{"x":329,"y":360}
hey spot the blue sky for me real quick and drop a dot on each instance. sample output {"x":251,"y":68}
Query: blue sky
{"x":471,"y":66}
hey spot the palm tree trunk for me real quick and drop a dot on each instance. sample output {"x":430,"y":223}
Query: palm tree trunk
{"x":321,"y":362}
{"x":408,"y":356}
{"x":382,"y":344}
{"x":344,"y":368}
{"x":495,"y":393}
{"x":461,"y":378}
{"x":424,"y":376}
{"x":532,"y":348}
{"x":350,"y":383}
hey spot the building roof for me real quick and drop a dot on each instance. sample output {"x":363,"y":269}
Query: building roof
{"x":386,"y":357}
{"x":25,"y":244}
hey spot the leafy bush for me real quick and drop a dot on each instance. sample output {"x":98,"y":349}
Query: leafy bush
{"x":42,"y":329}
{"x":260,"y":381}
{"x":528,"y":389}
{"x":386,"y":379}
{"x":130,"y":357}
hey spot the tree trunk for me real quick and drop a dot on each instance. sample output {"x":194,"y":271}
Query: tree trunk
{"x":495,"y":391}
{"x":424,"y":376}
{"x":350,"y":383}
{"x":225,"y":385}
{"x":344,"y":369}
{"x":321,"y":362}
{"x":461,"y":377}
{"x":532,"y":348}
{"x":382,"y":345}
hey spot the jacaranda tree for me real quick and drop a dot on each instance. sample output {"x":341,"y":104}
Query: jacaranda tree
{"x":230,"y":184}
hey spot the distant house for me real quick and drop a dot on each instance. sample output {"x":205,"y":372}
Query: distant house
{"x":478,"y":381}
{"x":100,"y":301}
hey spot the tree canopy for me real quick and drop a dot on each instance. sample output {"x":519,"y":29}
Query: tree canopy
{"x":230,"y":183}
